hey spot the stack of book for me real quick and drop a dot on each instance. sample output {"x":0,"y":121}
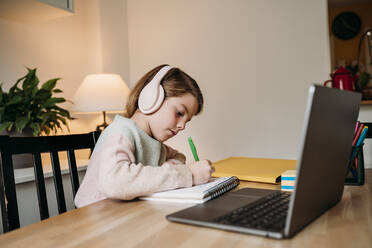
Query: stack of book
{"x":288,"y":180}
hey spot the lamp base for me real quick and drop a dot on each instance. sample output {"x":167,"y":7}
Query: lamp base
{"x":104,"y":124}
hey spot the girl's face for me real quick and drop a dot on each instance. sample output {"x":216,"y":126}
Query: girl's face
{"x":172,"y":116}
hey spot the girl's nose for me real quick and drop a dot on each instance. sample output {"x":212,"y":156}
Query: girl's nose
{"x":181,"y":125}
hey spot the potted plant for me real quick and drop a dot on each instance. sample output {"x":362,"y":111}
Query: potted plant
{"x":362,"y":77}
{"x":26,"y":106}
{"x":27,"y":110}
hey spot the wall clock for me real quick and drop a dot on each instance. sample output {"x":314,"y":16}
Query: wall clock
{"x":346,"y":25}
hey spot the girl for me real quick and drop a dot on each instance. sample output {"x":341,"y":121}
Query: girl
{"x":130,"y":159}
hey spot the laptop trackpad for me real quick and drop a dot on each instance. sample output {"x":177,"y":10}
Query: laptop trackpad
{"x":239,"y":198}
{"x":224,"y":204}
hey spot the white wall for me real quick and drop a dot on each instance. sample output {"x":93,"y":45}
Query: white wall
{"x":93,"y":40}
{"x":67,"y":47}
{"x":114,"y":36}
{"x":253,"y":60}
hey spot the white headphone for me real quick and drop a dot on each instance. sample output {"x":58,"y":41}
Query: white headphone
{"x":152,"y":95}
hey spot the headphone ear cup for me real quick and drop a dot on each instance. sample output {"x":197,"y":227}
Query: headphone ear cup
{"x":151,"y":98}
{"x":152,"y":95}
{"x":159,"y":100}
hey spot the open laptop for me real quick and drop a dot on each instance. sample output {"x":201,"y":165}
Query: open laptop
{"x":330,"y":120}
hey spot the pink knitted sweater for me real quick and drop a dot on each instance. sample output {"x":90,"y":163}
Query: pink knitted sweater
{"x":127,"y":163}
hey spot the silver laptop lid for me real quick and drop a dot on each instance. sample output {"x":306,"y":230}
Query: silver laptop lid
{"x":329,"y":124}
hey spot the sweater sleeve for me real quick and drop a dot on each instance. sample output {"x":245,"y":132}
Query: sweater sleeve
{"x":173,"y":156}
{"x":120,"y":177}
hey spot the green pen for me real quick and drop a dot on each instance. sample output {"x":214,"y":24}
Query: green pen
{"x":193,"y":149}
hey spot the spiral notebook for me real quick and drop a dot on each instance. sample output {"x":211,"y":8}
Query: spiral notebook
{"x":197,"y":194}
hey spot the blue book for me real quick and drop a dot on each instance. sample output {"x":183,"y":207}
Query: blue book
{"x":286,"y":187}
{"x":288,"y":180}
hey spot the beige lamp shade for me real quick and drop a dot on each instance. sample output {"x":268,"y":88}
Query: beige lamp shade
{"x":101,"y":92}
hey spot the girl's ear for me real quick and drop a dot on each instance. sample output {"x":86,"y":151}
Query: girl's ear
{"x":152,"y":95}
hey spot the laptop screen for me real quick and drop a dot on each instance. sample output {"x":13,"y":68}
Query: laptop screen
{"x":329,"y":124}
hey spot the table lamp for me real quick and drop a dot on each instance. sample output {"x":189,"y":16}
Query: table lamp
{"x":101,"y":93}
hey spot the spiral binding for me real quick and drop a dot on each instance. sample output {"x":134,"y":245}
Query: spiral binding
{"x":223,"y":187}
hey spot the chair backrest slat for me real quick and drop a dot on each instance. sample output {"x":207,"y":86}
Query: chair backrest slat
{"x":74,"y":176}
{"x":3,"y":205}
{"x":36,"y":145}
{"x":3,"y":201}
{"x":95,"y":135}
{"x":58,"y":182}
{"x":40,"y":186}
{"x":9,"y":205}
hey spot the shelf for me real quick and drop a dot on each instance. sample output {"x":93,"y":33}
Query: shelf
{"x":366,"y":102}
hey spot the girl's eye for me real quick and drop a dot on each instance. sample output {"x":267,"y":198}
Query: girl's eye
{"x":179,"y":114}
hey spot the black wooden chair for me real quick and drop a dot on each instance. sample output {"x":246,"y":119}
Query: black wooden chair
{"x":36,"y":145}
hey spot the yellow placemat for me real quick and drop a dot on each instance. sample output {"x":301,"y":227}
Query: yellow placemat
{"x":265,"y":170}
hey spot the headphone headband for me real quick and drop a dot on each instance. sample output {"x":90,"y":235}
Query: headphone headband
{"x":160,"y":74}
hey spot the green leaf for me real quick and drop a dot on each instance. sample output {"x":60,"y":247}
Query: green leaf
{"x":5,"y":125}
{"x":1,"y":95}
{"x":57,"y":91}
{"x":35,"y":129}
{"x":2,"y":111}
{"x":31,"y":80}
{"x":63,"y":112}
{"x":46,"y":130}
{"x":15,"y":100}
{"x":43,"y":95}
{"x":21,"y":123}
{"x":15,"y":88}
{"x":34,"y":92}
{"x":63,"y":120}
{"x":53,"y":101}
{"x":10,"y":126}
{"x":50,"y":84}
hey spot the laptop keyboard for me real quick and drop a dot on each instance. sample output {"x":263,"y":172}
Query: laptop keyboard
{"x":268,"y":213}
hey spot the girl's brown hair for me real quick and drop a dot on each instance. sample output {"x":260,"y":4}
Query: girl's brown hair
{"x":175,"y":83}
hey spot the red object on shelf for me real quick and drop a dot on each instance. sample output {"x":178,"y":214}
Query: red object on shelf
{"x":342,"y":79}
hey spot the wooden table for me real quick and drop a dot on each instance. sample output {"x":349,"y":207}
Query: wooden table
{"x":111,"y":223}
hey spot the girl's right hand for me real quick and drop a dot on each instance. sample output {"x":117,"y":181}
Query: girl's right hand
{"x":201,"y":171}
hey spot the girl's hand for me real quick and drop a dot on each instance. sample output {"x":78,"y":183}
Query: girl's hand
{"x":201,"y":171}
